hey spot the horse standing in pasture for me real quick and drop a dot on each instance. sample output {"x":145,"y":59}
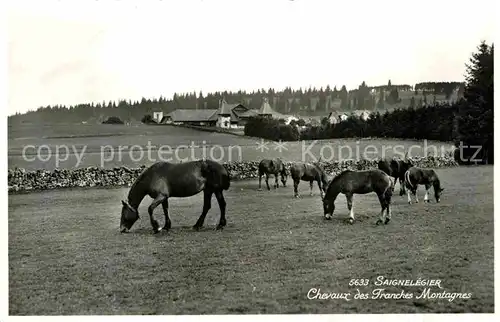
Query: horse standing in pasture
{"x":163,"y":180}
{"x":275,"y":167}
{"x":308,"y":172}
{"x":428,"y":177}
{"x":360,"y":182}
{"x":396,"y":169}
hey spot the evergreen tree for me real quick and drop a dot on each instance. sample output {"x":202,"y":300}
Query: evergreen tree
{"x":412,"y":102}
{"x":343,"y":97}
{"x":420,"y":103}
{"x":475,"y":117}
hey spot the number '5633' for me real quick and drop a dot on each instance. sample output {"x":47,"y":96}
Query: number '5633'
{"x":359,"y":282}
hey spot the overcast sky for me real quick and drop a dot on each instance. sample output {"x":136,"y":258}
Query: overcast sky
{"x":78,"y":51}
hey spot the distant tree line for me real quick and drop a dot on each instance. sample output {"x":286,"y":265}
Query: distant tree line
{"x":468,"y":123}
{"x":285,"y":101}
{"x":433,"y":122}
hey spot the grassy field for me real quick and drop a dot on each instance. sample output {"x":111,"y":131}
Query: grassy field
{"x":66,"y":255}
{"x":100,"y":145}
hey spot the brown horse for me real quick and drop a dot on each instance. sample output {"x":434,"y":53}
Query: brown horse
{"x":163,"y":180}
{"x":428,"y":177}
{"x":360,"y":182}
{"x":274,"y":167}
{"x":396,"y":169}
{"x":308,"y":172}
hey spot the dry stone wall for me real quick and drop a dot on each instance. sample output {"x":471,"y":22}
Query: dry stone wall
{"x":20,"y":180}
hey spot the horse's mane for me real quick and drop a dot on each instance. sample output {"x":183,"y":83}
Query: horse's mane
{"x":136,"y":182}
{"x":319,"y":167}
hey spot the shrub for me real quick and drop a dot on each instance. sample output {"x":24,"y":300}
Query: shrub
{"x":148,"y":119}
{"x":113,"y":120}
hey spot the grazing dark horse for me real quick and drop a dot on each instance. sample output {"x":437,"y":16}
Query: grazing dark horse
{"x":275,"y":167}
{"x":428,"y":177}
{"x":308,"y":172}
{"x":163,"y":180}
{"x":396,"y":169}
{"x":360,"y":182}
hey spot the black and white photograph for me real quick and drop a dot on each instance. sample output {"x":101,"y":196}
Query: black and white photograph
{"x":315,"y":159}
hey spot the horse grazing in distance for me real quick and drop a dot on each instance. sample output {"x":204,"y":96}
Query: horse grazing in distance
{"x":396,"y":169}
{"x":163,"y":180}
{"x":428,"y":177}
{"x":308,"y":172}
{"x":275,"y":167}
{"x":360,"y":182}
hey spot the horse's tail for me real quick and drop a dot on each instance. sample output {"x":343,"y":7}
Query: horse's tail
{"x":407,"y":178}
{"x":226,"y":181}
{"x":390,"y":187}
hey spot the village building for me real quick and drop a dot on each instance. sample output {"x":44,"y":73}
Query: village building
{"x":267,"y":111}
{"x":226,"y":116}
{"x":337,"y":117}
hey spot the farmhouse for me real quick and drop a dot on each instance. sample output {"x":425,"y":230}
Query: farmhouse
{"x":226,"y":116}
{"x":267,"y":111}
{"x":158,"y":116}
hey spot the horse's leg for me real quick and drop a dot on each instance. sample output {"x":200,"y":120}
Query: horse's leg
{"x":389,"y":213}
{"x":156,"y":202}
{"x":384,"y":207}
{"x":276,"y":184}
{"x":385,"y":201}
{"x":415,"y":194}
{"x":222,"y":206}
{"x":267,"y":181}
{"x":168,"y":223}
{"x":349,"y":198}
{"x":296,"y":188}
{"x":311,"y":183}
{"x":207,"y":203}
{"x":426,"y":197}
{"x":402,"y":189}
{"x":260,"y":181}
{"x":283,"y":180}
{"x":320,"y":185}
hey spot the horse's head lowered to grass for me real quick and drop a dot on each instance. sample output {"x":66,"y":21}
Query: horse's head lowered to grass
{"x":129,"y":217}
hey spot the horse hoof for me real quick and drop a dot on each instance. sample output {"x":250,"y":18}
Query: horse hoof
{"x":196,"y":228}
{"x":156,"y":231}
{"x":219,"y":227}
{"x":378,"y":222}
{"x":387,"y":221}
{"x":351,"y":221}
{"x":260,"y":189}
